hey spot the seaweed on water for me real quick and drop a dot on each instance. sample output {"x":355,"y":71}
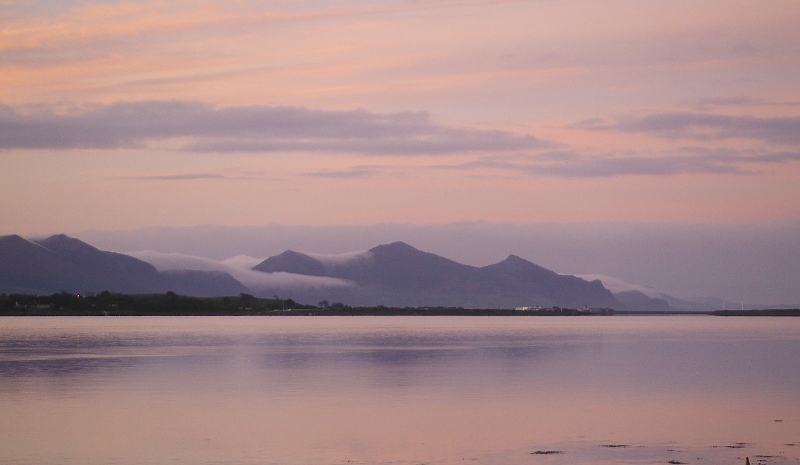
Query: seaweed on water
{"x":676,"y":462}
{"x":615,"y":445}
{"x":547,"y":452}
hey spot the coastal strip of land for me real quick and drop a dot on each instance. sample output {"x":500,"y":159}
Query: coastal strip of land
{"x":171,"y":304}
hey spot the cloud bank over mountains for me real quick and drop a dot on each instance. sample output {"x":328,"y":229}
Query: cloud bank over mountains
{"x":240,"y":268}
{"x":394,"y":274}
{"x":756,"y":263}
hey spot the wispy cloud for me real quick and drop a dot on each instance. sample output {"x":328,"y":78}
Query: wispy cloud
{"x":203,"y":128}
{"x":708,"y":104}
{"x":109,"y":21}
{"x":349,"y":173}
{"x":176,"y":177}
{"x":236,"y":176}
{"x":689,"y":160}
{"x":577,"y":164}
{"x":704,"y":126}
{"x":43,"y":34}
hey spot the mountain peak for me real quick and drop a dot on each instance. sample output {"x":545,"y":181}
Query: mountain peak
{"x":516,"y":262}
{"x":65,"y":244}
{"x":13,"y":245}
{"x":292,"y":262}
{"x":14,"y":239}
{"x":60,"y":262}
{"x":398,"y":246}
{"x":515,"y":266}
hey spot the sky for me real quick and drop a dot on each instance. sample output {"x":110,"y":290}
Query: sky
{"x":124,"y":115}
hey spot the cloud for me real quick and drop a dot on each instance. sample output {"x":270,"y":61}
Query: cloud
{"x":351,"y":173}
{"x":688,"y":160}
{"x":705,"y":126}
{"x":239,"y":268}
{"x":199,"y":127}
{"x":235,"y":176}
{"x":616,"y":285}
{"x":562,"y":163}
{"x":90,"y":24}
{"x":242,"y":261}
{"x":711,"y":103}
{"x":333,"y":260}
{"x":178,"y":177}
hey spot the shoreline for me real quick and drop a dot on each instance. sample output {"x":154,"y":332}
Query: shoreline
{"x":171,"y":304}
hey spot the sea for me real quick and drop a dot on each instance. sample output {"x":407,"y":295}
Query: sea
{"x":303,"y":390}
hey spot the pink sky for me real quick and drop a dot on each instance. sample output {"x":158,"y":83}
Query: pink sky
{"x":121,"y":115}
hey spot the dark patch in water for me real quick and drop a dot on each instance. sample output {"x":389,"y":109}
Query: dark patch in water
{"x":547,"y":452}
{"x":675,"y":462}
{"x":737,"y":445}
{"x":615,"y":445}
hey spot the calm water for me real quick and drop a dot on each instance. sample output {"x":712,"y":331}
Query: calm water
{"x":399,"y":390}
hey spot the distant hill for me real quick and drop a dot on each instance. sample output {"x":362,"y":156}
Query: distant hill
{"x":639,"y":301}
{"x":61,"y":263}
{"x":397,"y":274}
{"x":292,"y":262}
{"x":201,"y":283}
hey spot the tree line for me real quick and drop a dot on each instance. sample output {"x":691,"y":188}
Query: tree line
{"x":170,"y":303}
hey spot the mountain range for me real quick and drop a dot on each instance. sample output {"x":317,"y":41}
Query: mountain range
{"x":61,"y":263}
{"x":399,"y":274}
{"x":393,"y":274}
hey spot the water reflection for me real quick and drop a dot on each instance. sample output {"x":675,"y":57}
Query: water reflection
{"x":63,"y":366}
{"x":399,"y":390}
{"x":78,"y":353}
